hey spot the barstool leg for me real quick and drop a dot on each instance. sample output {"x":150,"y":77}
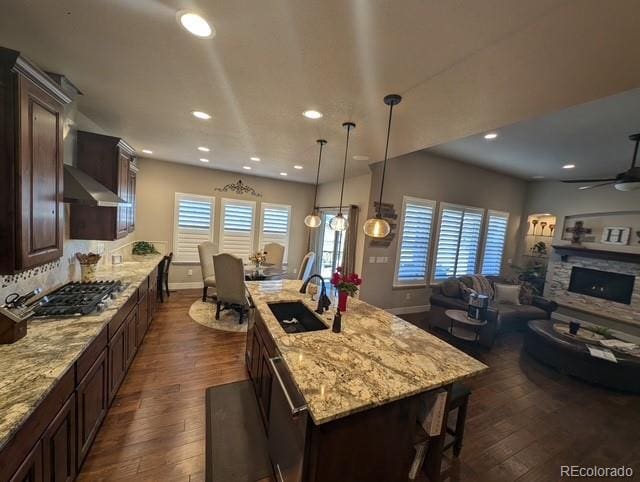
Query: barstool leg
{"x":462,"y":415}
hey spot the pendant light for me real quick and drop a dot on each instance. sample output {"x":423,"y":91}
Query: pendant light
{"x":377,"y":227}
{"x":339,"y":222}
{"x":313,"y":220}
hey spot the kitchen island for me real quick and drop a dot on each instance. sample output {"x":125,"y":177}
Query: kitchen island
{"x":360,"y":388}
{"x":61,"y":361}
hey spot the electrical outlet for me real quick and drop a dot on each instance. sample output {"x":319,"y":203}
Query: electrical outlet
{"x":372,"y":259}
{"x":189,"y":272}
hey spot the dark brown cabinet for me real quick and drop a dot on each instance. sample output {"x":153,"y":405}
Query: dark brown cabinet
{"x":131,"y":192}
{"x":117,"y":360}
{"x":110,"y":161}
{"x":152,"y":295}
{"x":59,"y":445}
{"x":131,"y":336}
{"x":93,"y":402}
{"x":31,"y":468}
{"x":31,"y":171}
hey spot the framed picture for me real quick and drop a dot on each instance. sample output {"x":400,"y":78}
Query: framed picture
{"x":615,"y":235}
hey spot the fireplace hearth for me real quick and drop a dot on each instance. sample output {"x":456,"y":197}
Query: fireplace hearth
{"x":606,"y":285}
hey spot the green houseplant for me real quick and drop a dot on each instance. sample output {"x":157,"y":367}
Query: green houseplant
{"x":144,"y":247}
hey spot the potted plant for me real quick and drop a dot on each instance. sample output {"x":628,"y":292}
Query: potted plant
{"x":258,"y":259}
{"x":142,"y":248}
{"x":347,"y":285}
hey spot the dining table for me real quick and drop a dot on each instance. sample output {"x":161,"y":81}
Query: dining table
{"x":264,"y":272}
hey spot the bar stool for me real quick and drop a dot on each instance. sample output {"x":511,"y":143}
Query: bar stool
{"x":459,"y":400}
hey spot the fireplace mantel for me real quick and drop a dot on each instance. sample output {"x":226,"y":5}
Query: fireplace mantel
{"x":574,"y":250}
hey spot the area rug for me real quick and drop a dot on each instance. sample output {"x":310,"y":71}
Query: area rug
{"x":205,"y":313}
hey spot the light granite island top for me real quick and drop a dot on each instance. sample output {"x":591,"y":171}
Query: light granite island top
{"x":376,"y":359}
{"x":31,"y":367}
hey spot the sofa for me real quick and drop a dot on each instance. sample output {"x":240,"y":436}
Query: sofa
{"x":501,"y":317}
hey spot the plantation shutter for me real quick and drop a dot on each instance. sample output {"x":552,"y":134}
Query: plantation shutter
{"x":458,"y":241}
{"x":193,"y":225}
{"x":275,"y":225}
{"x":237,"y":228}
{"x":494,"y":243}
{"x":415,"y":235}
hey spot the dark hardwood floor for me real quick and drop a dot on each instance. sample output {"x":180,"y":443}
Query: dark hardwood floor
{"x":524,"y":419}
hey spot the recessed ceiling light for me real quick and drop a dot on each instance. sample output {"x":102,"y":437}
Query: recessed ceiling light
{"x":147,"y":151}
{"x":582,"y":188}
{"x":297,"y":167}
{"x":195,"y":24}
{"x":490,"y":136}
{"x":283,"y":174}
{"x":202,"y":159}
{"x":201,"y":115}
{"x":203,"y":149}
{"x":312,"y":114}
{"x":568,"y":166}
{"x":361,"y":158}
{"x":256,"y":159}
{"x":248,"y":168}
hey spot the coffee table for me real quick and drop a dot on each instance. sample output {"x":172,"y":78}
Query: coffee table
{"x":467,"y":328}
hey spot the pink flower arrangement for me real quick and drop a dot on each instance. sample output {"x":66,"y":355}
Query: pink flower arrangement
{"x":346,"y":283}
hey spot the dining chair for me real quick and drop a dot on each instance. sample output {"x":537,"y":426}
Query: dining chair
{"x":230,"y":287}
{"x":163,"y":276}
{"x":306,"y":267}
{"x":206,"y":251}
{"x":274,"y":253}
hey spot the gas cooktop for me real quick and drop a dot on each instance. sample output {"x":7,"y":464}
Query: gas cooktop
{"x":75,"y":299}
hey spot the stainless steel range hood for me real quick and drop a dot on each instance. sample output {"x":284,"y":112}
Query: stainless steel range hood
{"x":80,"y":188}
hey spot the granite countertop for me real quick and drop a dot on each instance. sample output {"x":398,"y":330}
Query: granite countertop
{"x":376,"y":359}
{"x":30,"y":367}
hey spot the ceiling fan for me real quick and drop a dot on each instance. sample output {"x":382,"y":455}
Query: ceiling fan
{"x":625,"y":181}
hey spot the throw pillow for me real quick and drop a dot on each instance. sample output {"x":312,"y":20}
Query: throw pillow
{"x":527,"y":292}
{"x":451,"y":288}
{"x":466,"y":292}
{"x":507,"y":294}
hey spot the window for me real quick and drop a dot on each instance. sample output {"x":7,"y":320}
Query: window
{"x":237,"y":227}
{"x":458,"y":241}
{"x":415,"y":236}
{"x":494,"y":242}
{"x":330,"y":244}
{"x":274,"y":225}
{"x":192,"y":225}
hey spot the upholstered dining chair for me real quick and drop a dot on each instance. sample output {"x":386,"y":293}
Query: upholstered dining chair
{"x":274,"y":254}
{"x":206,"y":251}
{"x":307,"y":265}
{"x":230,"y":287}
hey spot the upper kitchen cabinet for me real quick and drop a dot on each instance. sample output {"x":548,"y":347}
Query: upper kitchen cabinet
{"x":111,"y":162}
{"x":31,"y":165}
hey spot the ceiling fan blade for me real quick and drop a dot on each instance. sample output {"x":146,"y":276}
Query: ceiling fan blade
{"x":598,"y":185}
{"x":587,"y":181}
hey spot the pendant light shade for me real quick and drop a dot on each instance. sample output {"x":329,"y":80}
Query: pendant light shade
{"x":377,"y":227}
{"x":339,"y":222}
{"x":313,"y":220}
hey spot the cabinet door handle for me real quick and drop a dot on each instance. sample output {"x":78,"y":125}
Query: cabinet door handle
{"x":294,"y":410}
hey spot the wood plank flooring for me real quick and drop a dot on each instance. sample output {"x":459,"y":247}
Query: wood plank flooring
{"x":524,"y":419}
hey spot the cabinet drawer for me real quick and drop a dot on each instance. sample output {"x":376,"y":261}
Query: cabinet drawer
{"x":122,"y":314}
{"x":267,"y":341}
{"x":143,"y":288}
{"x":90,"y":355}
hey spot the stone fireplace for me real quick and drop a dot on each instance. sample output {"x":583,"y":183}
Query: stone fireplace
{"x":596,"y":297}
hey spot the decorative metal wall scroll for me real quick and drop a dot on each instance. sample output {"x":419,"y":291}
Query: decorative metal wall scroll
{"x":239,"y":188}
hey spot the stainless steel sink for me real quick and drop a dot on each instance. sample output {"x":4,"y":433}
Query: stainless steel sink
{"x":295,"y":317}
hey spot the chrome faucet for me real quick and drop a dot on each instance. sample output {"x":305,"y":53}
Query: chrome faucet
{"x":323,"y":300}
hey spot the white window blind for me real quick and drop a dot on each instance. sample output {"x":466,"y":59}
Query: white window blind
{"x":458,"y":241}
{"x":193,"y":225}
{"x":237,"y":228}
{"x":415,"y":236}
{"x":496,"y":234}
{"x":275,"y":225}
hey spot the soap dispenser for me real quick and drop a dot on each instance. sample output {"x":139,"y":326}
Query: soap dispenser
{"x":337,"y":322}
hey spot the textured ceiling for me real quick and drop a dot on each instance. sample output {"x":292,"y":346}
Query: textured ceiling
{"x":594,"y":136}
{"x":462,"y":66}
